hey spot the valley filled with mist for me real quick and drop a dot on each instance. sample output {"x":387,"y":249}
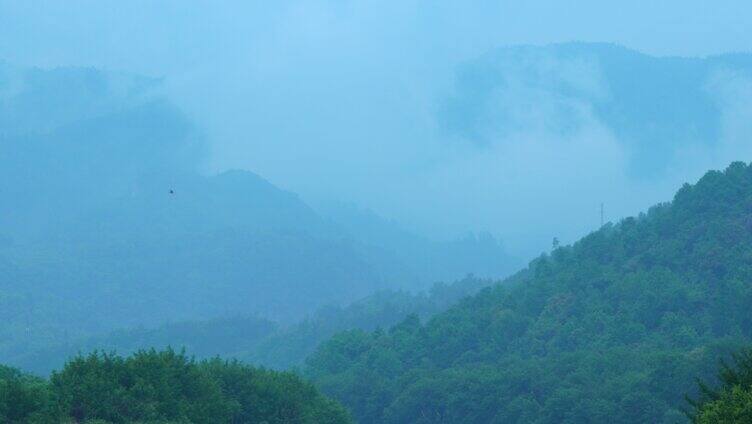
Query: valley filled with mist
{"x":313,"y":217}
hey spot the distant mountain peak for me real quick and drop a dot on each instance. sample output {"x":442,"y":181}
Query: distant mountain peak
{"x":654,"y":106}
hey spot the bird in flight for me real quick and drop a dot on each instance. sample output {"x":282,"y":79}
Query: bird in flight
{"x":172,"y":191}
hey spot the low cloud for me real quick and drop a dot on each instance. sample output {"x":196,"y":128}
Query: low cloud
{"x":410,"y":108}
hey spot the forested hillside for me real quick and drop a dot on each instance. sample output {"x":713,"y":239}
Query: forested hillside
{"x":162,"y":386}
{"x":399,"y":212}
{"x":256,"y":340}
{"x":614,"y":328}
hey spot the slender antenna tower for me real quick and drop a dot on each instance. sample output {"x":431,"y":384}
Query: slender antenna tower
{"x":601,"y":214}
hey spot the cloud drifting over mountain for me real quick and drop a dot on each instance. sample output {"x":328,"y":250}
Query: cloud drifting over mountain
{"x":419,"y":111}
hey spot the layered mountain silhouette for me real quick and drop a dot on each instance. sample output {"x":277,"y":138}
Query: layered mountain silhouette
{"x":108,"y":222}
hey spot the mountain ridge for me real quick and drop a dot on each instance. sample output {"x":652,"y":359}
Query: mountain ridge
{"x":626,"y":318}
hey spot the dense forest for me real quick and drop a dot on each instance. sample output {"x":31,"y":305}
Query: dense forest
{"x":162,"y":386}
{"x":613,"y":328}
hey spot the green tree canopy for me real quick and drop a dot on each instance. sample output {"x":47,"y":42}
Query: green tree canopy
{"x":160,"y":387}
{"x":731,"y":402}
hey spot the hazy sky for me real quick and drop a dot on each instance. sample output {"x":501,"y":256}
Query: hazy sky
{"x":338,"y":99}
{"x":165,"y":37}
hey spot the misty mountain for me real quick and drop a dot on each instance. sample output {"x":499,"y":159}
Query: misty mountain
{"x":481,"y":254}
{"x":656,"y":107}
{"x":613,"y":328}
{"x":111,"y":219}
{"x":253,"y":339}
{"x":108,"y":222}
{"x":38,"y":101}
{"x":339,"y":211}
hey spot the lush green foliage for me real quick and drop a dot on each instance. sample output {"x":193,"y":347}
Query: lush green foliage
{"x":23,"y":398}
{"x":162,"y":386}
{"x":732,"y":401}
{"x":614,"y":328}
